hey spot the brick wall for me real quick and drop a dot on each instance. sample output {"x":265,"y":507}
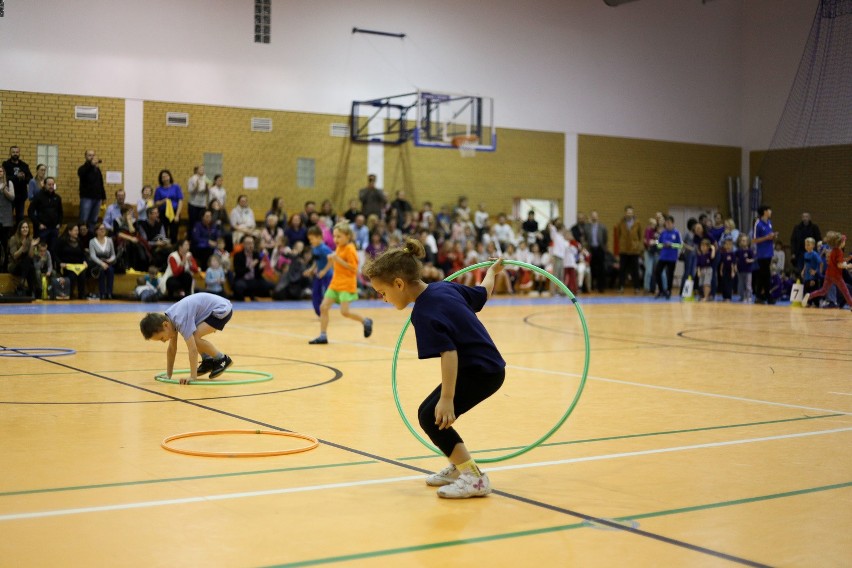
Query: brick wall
{"x":29,"y":119}
{"x":651,"y":176}
{"x":817,"y":180}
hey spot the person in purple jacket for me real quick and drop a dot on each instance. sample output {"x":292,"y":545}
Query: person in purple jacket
{"x":472,"y":369}
{"x":669,"y":244}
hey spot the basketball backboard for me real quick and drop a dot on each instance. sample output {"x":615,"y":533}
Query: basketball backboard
{"x":431,"y":119}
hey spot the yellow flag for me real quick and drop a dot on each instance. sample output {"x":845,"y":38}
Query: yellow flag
{"x":170,"y":210}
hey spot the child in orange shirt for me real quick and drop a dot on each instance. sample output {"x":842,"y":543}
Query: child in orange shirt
{"x":344,"y":284}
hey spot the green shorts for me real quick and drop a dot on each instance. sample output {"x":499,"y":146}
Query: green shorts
{"x":341,"y":297}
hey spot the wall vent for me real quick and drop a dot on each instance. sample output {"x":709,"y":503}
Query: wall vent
{"x":339,"y":130}
{"x":177,"y":119}
{"x":261,"y":124}
{"x":85,"y":113}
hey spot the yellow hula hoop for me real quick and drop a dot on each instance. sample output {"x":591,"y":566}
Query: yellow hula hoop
{"x":313,"y":444}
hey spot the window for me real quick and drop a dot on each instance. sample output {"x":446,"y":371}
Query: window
{"x":262,"y":20}
{"x":48,"y":154}
{"x":305,"y":173}
{"x":212,"y":164}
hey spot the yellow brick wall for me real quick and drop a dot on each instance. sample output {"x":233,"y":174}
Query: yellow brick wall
{"x":651,"y":176}
{"x":526,"y":164}
{"x":817,"y":180}
{"x":29,"y":119}
{"x":269,"y":156}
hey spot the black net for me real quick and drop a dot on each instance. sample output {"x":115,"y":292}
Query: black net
{"x":810,"y":157}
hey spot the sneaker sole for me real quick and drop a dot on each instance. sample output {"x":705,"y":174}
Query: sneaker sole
{"x":443,"y":496}
{"x":440,"y":482}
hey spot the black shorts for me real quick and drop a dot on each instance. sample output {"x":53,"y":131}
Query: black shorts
{"x":218,"y":323}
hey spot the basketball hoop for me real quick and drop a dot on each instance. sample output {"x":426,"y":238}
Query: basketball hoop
{"x":466,"y":145}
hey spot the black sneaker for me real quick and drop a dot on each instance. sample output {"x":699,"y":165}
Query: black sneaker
{"x":219,"y":366}
{"x":318,"y":341}
{"x":206,"y":366}
{"x":368,"y":327}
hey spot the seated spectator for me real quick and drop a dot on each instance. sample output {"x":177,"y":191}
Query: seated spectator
{"x":129,"y":250}
{"x":204,"y":237}
{"x":296,"y":230}
{"x":242,"y":220}
{"x":248,"y":272}
{"x":145,"y":202}
{"x":361,"y":232}
{"x":270,"y":234}
{"x":72,"y":260}
{"x":214,"y":278}
{"x":43,"y":262}
{"x":152,"y":235}
{"x":145,"y":291}
{"x":114,"y":212}
{"x":22,"y":249}
{"x":177,"y":281}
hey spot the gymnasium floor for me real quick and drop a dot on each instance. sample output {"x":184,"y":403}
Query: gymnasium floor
{"x":707,"y":435}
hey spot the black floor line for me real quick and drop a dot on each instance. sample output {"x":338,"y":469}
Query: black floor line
{"x":519,"y":498}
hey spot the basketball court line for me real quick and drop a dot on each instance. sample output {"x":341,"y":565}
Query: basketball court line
{"x":390,"y":480}
{"x":559,"y":528}
{"x":406,"y":458}
{"x":519,"y":498}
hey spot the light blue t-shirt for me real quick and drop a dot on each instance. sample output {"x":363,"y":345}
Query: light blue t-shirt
{"x":188,"y":313}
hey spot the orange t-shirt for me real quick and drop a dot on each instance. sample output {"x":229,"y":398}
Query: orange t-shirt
{"x":345,"y":279}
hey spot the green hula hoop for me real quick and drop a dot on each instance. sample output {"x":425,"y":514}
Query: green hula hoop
{"x":571,"y":406}
{"x":260,"y":378}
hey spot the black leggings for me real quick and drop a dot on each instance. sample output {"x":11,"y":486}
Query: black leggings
{"x":472,"y":387}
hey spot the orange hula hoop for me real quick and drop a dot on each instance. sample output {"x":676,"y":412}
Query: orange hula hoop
{"x":313,"y":444}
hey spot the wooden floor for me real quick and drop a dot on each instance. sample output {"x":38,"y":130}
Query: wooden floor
{"x":707,"y":435}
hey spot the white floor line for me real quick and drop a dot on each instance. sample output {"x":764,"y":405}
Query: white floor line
{"x":591,"y":378}
{"x":685,"y":391}
{"x":842,"y":393}
{"x":247,"y":494}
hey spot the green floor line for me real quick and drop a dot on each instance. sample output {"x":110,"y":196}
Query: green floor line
{"x":408,"y":458}
{"x":558,"y":528}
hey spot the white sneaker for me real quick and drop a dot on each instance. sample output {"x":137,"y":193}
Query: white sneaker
{"x":467,"y":485}
{"x":444,"y":477}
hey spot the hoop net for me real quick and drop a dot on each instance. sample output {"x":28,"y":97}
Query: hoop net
{"x":466,"y":145}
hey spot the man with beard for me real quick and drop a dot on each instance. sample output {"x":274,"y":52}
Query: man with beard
{"x":18,"y":172}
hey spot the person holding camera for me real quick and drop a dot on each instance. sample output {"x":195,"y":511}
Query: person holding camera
{"x":92,"y":191}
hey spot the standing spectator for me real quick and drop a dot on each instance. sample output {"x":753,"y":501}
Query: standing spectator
{"x":596,"y":233}
{"x":46,"y":213}
{"x":7,"y":207}
{"x":801,"y":232}
{"x":763,"y":238}
{"x":727,"y":269}
{"x":649,"y":239}
{"x":242,"y":220}
{"x":628,"y":247}
{"x":745,"y":266}
{"x":18,"y":172}
{"x":481,"y":221}
{"x":690,"y":252}
{"x":198,"y":188}
{"x":530,"y":228}
{"x":178,"y":281}
{"x":22,"y":249}
{"x":578,"y":230}
{"x":113,"y":212}
{"x":169,"y":198}
{"x":102,"y":260}
{"x":667,"y":242}
{"x":37,"y":183}
{"x":248,"y":272}
{"x":373,"y":200}
{"x":503,"y":232}
{"x":71,"y":259}
{"x":92,"y":191}
{"x":216,"y":191}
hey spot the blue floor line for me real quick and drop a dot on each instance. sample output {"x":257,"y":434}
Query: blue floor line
{"x":96,"y":307}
